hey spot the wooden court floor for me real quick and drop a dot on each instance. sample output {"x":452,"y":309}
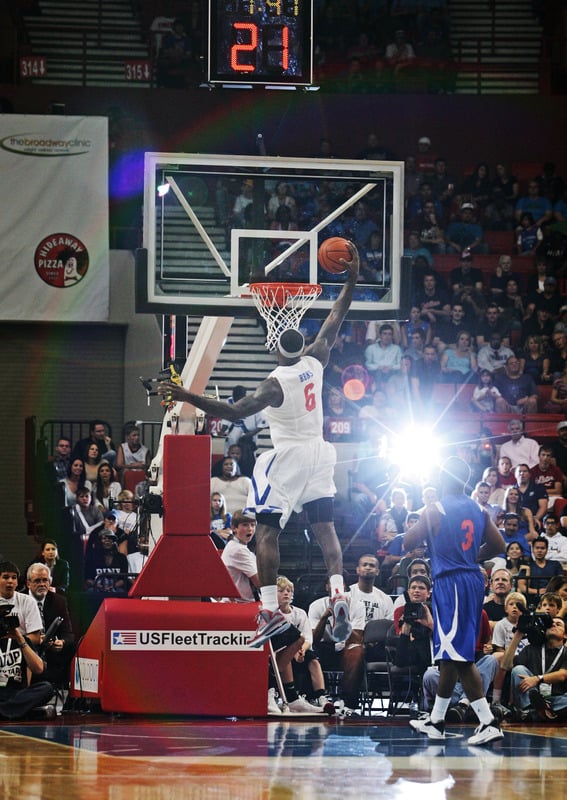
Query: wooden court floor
{"x":105,"y":757}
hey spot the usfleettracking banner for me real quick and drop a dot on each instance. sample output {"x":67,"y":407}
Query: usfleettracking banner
{"x":54,"y":218}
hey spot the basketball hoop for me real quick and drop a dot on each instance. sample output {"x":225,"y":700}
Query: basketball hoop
{"x":283,"y":305}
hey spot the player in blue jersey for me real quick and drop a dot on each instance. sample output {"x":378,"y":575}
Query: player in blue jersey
{"x":459,"y":534}
{"x":298,"y":473}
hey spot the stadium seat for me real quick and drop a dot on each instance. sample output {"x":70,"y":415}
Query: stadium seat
{"x":500,"y":242}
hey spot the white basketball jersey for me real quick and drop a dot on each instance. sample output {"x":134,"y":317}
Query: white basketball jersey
{"x":300,"y":416}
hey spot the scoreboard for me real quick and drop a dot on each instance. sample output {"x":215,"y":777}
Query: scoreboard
{"x":261,"y":42}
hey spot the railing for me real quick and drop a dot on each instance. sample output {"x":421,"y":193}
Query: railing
{"x":85,"y":39}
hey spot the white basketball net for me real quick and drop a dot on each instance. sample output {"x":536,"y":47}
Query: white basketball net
{"x":282,"y":305}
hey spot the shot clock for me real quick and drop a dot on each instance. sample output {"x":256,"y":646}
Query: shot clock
{"x":261,"y":42}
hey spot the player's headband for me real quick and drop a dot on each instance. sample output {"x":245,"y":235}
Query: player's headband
{"x":291,"y":343}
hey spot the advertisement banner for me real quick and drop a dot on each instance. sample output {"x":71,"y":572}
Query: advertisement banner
{"x":54,"y":261}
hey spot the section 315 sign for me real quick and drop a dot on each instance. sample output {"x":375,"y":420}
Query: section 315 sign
{"x":261,"y":42}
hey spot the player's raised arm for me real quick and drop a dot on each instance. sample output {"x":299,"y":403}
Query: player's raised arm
{"x":325,"y":339}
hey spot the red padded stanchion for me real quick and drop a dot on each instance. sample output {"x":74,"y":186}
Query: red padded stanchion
{"x":186,"y":485}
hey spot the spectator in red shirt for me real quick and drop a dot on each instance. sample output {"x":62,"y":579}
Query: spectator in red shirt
{"x":546,"y":474}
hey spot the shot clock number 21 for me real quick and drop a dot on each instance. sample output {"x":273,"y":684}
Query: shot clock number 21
{"x":261,"y":41}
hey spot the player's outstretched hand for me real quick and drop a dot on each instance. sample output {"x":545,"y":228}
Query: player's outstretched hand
{"x":354,"y":264}
{"x":171,"y":391}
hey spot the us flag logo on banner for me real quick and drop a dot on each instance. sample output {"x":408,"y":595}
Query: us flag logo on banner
{"x":124,"y":637}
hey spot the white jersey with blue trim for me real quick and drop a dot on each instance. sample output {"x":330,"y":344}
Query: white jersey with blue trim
{"x":300,"y":416}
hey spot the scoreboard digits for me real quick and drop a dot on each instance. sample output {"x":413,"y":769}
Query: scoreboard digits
{"x":261,"y":42}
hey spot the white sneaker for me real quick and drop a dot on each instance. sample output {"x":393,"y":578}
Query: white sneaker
{"x":273,"y":707}
{"x":325,"y":702}
{"x":303,"y":707}
{"x":341,"y":628}
{"x":486,"y":733}
{"x":433,"y":730}
{"x":270,"y":623}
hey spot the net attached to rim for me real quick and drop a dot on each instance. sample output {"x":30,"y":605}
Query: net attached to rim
{"x":283,"y":305}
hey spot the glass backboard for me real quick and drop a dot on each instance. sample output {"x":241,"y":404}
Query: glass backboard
{"x":213,"y":224}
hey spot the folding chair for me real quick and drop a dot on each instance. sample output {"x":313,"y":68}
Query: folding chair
{"x":376,"y":681}
{"x":404,"y":683}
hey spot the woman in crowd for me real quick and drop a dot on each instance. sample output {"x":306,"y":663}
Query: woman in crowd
{"x":458,"y":362}
{"x":477,"y":187}
{"x":534,"y":361}
{"x":506,"y":182}
{"x":58,"y":567}
{"x":74,"y":481}
{"x":106,"y":489}
{"x":490,"y":476}
{"x":92,"y":462}
{"x":221,"y":520}
{"x":518,"y":565}
{"x":513,"y":504}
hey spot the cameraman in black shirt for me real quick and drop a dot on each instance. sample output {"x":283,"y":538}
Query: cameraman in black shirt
{"x":539,"y":671}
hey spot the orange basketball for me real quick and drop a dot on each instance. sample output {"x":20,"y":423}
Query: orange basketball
{"x":330,"y":251}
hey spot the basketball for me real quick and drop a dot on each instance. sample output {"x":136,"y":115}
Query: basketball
{"x":330,"y":251}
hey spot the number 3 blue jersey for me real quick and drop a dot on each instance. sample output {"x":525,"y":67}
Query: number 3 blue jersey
{"x":460,"y":535}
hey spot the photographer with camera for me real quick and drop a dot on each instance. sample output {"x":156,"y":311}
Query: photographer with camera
{"x":59,"y":649}
{"x":539,"y":671}
{"x":414,"y":617}
{"x":413,"y":625}
{"x":20,"y":630}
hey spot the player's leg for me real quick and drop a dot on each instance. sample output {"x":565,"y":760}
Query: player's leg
{"x":320,"y":515}
{"x":270,"y":619}
{"x":488,"y":730}
{"x":268,"y":549}
{"x":434,"y":725}
{"x":328,"y":541}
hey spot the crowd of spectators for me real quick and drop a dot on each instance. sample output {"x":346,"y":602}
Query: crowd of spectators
{"x":369,"y":47}
{"x":95,"y":490}
{"x":500,"y":327}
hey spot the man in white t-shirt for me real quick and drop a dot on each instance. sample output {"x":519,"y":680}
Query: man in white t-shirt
{"x":377,"y":604}
{"x":557,"y":543}
{"x":239,"y":560}
{"x":18,"y":657}
{"x":346,"y":655}
{"x":24,"y":605}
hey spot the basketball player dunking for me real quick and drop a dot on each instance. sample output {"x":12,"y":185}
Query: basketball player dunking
{"x":458,"y":534}
{"x":298,"y":473}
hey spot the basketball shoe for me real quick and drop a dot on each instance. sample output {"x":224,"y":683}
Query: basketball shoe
{"x":433,"y":730}
{"x":270,"y":623}
{"x":325,"y":702}
{"x":340,"y":624}
{"x":486,"y":733}
{"x":302,"y":706}
{"x":273,"y":707}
